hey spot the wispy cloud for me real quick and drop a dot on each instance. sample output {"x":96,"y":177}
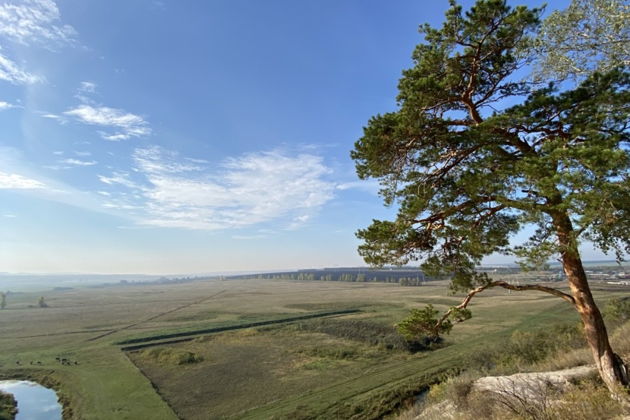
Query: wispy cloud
{"x":370,"y":186}
{"x":38,"y":22}
{"x":243,"y":191}
{"x":18,"y":182}
{"x":84,"y":91}
{"x":87,"y":87}
{"x":78,"y":162}
{"x":123,"y":125}
{"x":119,"y":178}
{"x":12,"y":73}
{"x":55,"y":117}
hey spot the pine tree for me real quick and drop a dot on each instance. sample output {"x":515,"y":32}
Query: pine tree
{"x":468,"y":169}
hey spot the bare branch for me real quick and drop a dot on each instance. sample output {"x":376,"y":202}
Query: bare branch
{"x":505,"y":285}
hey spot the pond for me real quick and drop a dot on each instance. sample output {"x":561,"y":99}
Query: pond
{"x":35,"y":402}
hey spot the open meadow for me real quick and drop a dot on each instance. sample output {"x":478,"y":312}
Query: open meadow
{"x":312,"y":348}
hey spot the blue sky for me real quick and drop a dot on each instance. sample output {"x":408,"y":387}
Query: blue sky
{"x":169,"y":137}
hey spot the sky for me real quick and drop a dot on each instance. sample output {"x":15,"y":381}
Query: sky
{"x":194,"y":137}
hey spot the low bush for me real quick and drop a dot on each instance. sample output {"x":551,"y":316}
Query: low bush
{"x":8,"y":406}
{"x":172,"y":356}
{"x":586,"y":401}
{"x":368,"y":332}
{"x":337,"y":353}
{"x":555,"y":348}
{"x":524,"y":349}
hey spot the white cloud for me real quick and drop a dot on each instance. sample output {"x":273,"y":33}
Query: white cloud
{"x":371,"y":186}
{"x":118,"y":178}
{"x":18,"y":182}
{"x":125,"y":125}
{"x":55,"y":117}
{"x":34,"y":22}
{"x":12,"y":73}
{"x":78,"y":162}
{"x":244,"y":191}
{"x":82,"y":153}
{"x":87,"y":87}
{"x":5,"y":105}
{"x":156,"y":160}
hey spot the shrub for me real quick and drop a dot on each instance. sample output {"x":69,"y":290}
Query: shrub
{"x":368,"y":332}
{"x":586,"y":401}
{"x":172,"y":356}
{"x":523,"y":349}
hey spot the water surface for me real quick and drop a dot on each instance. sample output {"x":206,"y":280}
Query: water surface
{"x":35,"y":402}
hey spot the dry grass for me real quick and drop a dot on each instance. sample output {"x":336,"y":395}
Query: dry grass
{"x":105,"y":384}
{"x":246,"y":369}
{"x":590,"y":399}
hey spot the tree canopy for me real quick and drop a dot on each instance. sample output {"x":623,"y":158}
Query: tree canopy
{"x":466,"y":176}
{"x":475,"y":153}
{"x":588,"y":35}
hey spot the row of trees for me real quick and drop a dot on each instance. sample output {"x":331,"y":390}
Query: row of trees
{"x":403,"y":278}
{"x":475,"y":153}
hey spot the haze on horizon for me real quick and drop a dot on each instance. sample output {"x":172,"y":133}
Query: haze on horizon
{"x":147,"y":137}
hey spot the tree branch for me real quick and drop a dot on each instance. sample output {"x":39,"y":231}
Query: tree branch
{"x":505,"y":285}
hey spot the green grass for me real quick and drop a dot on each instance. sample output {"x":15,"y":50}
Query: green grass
{"x":277,"y":371}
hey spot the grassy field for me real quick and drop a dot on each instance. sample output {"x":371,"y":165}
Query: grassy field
{"x":282,"y":370}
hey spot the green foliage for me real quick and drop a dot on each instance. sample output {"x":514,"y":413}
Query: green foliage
{"x":3,"y":300}
{"x":335,"y":353}
{"x":589,"y":35}
{"x":363,"y":331}
{"x":423,"y":323}
{"x":467,"y":173}
{"x":8,"y":406}
{"x":42,"y":302}
{"x":171,"y":356}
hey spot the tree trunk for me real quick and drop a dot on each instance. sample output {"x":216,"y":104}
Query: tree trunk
{"x":611,"y":367}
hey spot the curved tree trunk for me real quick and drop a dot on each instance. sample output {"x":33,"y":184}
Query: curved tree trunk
{"x":611,"y":367}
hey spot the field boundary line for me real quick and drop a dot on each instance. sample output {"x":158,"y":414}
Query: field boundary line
{"x":197,"y":302}
{"x":146,"y":341}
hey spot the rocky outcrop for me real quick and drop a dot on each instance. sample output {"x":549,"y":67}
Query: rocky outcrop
{"x":527,"y":385}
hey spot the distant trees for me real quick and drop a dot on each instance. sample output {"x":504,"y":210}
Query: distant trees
{"x":42,"y":302}
{"x":474,"y":153}
{"x":3,"y":300}
{"x":409,"y":277}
